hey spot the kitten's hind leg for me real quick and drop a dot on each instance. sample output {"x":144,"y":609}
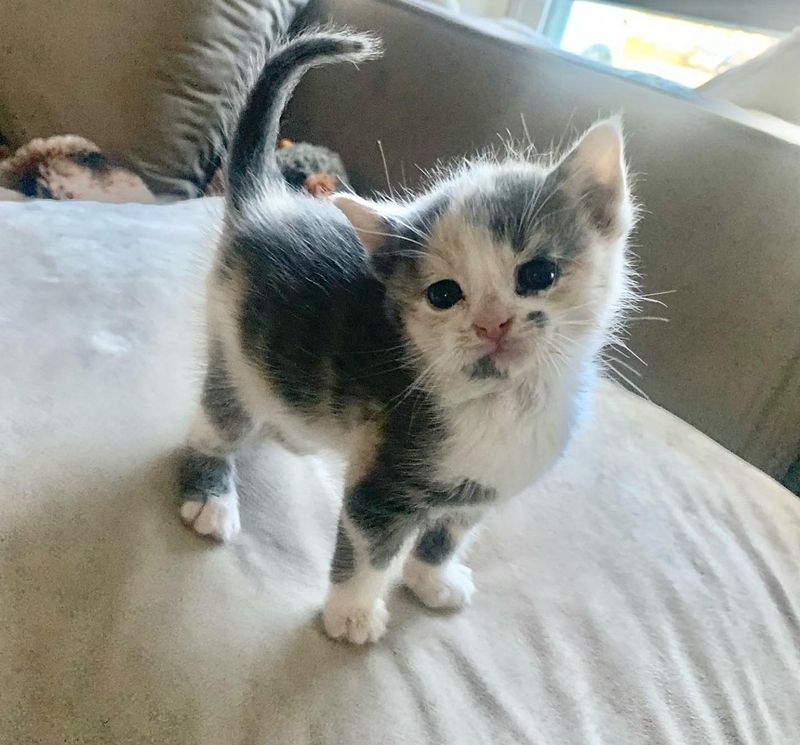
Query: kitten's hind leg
{"x":210,"y":504}
{"x":208,"y":490}
{"x":433,"y":570}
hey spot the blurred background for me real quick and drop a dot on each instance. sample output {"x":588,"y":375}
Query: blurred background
{"x":680,"y":40}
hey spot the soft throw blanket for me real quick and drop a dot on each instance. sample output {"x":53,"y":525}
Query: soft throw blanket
{"x":647,"y":592}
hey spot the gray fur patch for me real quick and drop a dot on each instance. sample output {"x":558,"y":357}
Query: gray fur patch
{"x":219,"y":397}
{"x":204,"y":476}
{"x":538,"y":318}
{"x":510,"y":207}
{"x":485,"y":368}
{"x":467,"y":493}
{"x":435,"y":545}
{"x":522,"y":206}
{"x":385,"y":513}
{"x":383,"y":549}
{"x":344,"y":557}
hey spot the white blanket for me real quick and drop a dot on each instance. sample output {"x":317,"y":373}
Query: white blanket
{"x":647,"y":592}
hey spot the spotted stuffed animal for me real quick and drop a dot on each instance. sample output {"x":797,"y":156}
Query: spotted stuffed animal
{"x":69,"y":167}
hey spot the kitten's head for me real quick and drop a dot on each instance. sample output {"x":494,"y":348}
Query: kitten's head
{"x":506,"y":269}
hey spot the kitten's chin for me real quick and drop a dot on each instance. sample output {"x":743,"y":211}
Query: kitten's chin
{"x":498,"y":364}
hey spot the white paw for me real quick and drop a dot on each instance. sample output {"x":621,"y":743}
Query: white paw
{"x":447,"y":586}
{"x":355,"y":623}
{"x":217,"y":518}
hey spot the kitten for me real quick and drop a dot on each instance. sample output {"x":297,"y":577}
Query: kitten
{"x":445,"y":345}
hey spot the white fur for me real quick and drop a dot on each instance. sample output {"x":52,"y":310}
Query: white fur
{"x":355,"y":610}
{"x":447,"y":586}
{"x":491,"y":444}
{"x":190,"y":509}
{"x":217,"y":518}
{"x":203,"y":435}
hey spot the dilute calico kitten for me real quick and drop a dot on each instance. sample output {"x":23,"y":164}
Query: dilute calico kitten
{"x":445,"y":345}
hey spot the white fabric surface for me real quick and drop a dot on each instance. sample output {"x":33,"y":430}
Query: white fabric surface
{"x":647,"y":592}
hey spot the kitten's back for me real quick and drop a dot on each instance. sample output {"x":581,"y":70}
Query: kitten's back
{"x":291,"y":266}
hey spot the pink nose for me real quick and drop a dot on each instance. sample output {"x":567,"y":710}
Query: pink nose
{"x":493,"y":330}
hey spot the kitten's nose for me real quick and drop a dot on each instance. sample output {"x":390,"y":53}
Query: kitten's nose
{"x":492,"y":329}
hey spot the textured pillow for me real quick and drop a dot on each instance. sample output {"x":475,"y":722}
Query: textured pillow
{"x":145,"y":79}
{"x":222,"y":51}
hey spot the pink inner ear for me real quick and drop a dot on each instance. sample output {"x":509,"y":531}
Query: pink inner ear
{"x":364,"y":217}
{"x":600,"y":153}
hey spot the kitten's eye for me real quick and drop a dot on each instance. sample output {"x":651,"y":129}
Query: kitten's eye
{"x":535,"y":276}
{"x":444,"y":294}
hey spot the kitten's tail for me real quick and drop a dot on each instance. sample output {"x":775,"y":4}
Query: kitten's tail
{"x":251,"y":160}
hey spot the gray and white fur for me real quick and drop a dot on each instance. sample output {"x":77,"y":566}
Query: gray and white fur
{"x":446,"y":344}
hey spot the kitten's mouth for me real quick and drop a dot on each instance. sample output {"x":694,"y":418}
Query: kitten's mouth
{"x":494,"y":361}
{"x":501,"y":352}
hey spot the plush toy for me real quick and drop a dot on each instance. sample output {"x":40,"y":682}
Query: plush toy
{"x":69,"y":167}
{"x":311,"y":167}
{"x":316,"y":169}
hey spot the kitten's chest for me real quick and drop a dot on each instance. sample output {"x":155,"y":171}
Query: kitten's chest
{"x":505,"y":443}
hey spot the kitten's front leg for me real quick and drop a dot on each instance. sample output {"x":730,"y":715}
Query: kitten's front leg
{"x":433,"y":570}
{"x":369,"y":536}
{"x":355,"y":609}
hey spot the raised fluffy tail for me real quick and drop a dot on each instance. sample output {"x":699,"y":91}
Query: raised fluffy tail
{"x":251,"y":160}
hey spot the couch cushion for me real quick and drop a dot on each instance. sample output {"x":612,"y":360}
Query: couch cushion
{"x":647,"y":592}
{"x":146,"y":80}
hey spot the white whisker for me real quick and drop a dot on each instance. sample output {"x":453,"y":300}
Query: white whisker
{"x":627,"y":380}
{"x":646,"y":299}
{"x":655,"y":294}
{"x":623,"y":347}
{"x":626,"y":365}
{"x":525,"y":129}
{"x":385,"y":169}
{"x":393,"y":235}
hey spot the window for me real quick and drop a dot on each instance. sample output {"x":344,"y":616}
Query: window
{"x":684,"y":41}
{"x":684,"y":50}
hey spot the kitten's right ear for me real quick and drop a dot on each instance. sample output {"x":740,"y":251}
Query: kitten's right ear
{"x":595,"y":173}
{"x":365,"y":216}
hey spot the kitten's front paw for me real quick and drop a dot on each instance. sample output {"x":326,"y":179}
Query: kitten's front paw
{"x":216,"y":517}
{"x":355,"y":623}
{"x":449,"y":586}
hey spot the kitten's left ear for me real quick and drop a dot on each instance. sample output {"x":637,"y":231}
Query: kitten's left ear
{"x":366,"y":217}
{"x":375,"y":223}
{"x":594,"y":172}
